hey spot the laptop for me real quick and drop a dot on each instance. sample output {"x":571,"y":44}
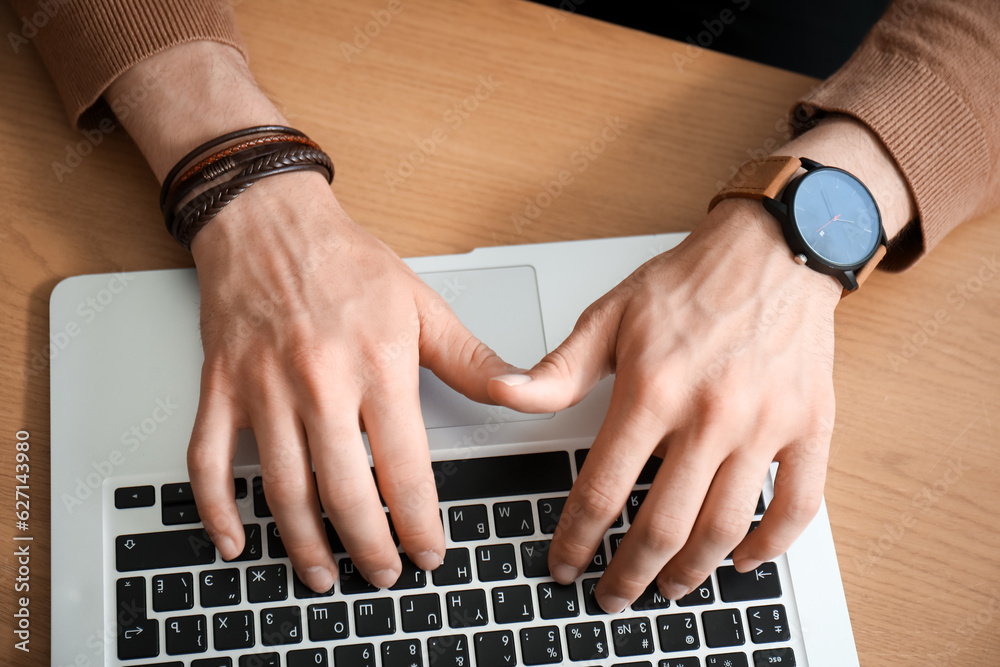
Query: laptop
{"x":136,"y":582}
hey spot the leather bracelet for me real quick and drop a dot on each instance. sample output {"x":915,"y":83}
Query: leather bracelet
{"x":196,"y":213}
{"x":191,"y":200}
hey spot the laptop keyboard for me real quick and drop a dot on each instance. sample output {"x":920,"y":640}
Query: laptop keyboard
{"x":491,"y":604}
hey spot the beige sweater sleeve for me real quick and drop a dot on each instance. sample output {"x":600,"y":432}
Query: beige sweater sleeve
{"x":926,"y":80}
{"x":87,"y":44}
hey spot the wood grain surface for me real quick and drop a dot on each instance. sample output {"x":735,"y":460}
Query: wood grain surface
{"x":446,"y":126}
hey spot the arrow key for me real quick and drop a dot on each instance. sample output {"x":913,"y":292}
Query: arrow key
{"x":128,"y":497}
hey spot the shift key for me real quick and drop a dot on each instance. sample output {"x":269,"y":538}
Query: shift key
{"x":172,"y":548}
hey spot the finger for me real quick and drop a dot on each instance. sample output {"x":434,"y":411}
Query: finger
{"x":347,"y":491}
{"x":798,"y":494}
{"x":447,"y":348}
{"x":403,"y":464}
{"x":291,"y":494}
{"x":616,"y":458}
{"x":722,"y":522}
{"x":210,"y":468}
{"x":565,"y":375}
{"x":665,"y":520}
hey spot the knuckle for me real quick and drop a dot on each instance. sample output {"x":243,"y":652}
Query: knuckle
{"x":594,"y":499}
{"x":304,"y":550}
{"x":664,"y":534}
{"x":686,"y":575}
{"x":800,"y":508}
{"x":725,"y":530}
{"x":286,"y":495}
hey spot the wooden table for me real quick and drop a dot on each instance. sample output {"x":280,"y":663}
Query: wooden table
{"x":430,"y":167}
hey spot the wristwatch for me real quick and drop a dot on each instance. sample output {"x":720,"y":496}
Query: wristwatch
{"x":828,"y":217}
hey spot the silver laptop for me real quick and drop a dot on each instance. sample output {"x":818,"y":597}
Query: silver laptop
{"x":136,"y":582}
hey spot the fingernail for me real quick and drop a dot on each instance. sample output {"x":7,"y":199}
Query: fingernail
{"x":383,"y":578}
{"x":225,"y":545}
{"x":428,"y":560}
{"x":674,"y":591}
{"x":612,"y":603}
{"x":746,"y":564}
{"x":564,"y":573}
{"x":318,"y":578}
{"x":513,"y":380}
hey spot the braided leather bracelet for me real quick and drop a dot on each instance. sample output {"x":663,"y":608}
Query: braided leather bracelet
{"x":191,"y":200}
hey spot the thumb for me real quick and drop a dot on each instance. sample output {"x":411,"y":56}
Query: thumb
{"x":452,"y":353}
{"x":566,"y":374}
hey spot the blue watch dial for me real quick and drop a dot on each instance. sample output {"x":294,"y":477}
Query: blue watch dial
{"x":836,"y":216}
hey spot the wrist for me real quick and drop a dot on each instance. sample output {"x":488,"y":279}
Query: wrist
{"x":202,"y":90}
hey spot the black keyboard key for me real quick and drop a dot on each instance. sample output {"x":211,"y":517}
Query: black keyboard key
{"x":495,"y":649}
{"x":704,"y":594}
{"x":600,"y":560}
{"x":129,"y":497}
{"x":240,"y":486}
{"x":351,"y":581}
{"x":402,"y":653}
{"x":267,"y":583}
{"x":502,"y":476}
{"x":251,"y":545}
{"x":590,"y":599}
{"x":280,"y":626}
{"x":163,"y":550}
{"x":549,"y":511}
{"x":496,"y":562}
{"x":727,"y":660}
{"x":512,"y":604}
{"x":260,"y":660}
{"x":634,"y":502}
{"x":131,"y":599}
{"x":448,"y":651}
{"x":646,"y":475}
{"x":615,"y":539}
{"x":420,"y":613}
{"x":557,"y":601}
{"x":177,"y":494}
{"x":535,"y":558}
{"x":356,"y":655}
{"x":650,"y":599}
{"x":513,"y":519}
{"x":466,"y":608}
{"x":785,"y":657}
{"x":457,"y":568}
{"x":586,"y":641}
{"x":173,"y":592}
{"x":139,"y":639}
{"x":373,"y":617}
{"x":678,"y":632}
{"x":275,"y":548}
{"x":758,"y":584}
{"x":768,"y":624}
{"x":260,"y":508}
{"x":723,"y":628}
{"x":327,"y":621}
{"x":632,"y":636}
{"x":307,"y":657}
{"x":760,"y":505}
{"x":336,"y":546}
{"x":203,"y":662}
{"x":469,"y":522}
{"x":541,"y":646}
{"x":232,"y":630}
{"x":410,"y":576}
{"x":178,"y":514}
{"x":220,"y":588}
{"x":689,"y":661}
{"x":186,"y":634}
{"x":303,"y":592}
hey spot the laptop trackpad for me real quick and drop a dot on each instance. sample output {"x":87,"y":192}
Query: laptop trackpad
{"x":501,"y":308}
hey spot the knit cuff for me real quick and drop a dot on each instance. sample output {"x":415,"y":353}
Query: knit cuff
{"x":904,"y":103}
{"x":87,"y":44}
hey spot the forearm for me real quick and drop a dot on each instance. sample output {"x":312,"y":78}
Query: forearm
{"x":202,"y":90}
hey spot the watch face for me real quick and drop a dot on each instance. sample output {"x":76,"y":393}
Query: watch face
{"x":836,"y":216}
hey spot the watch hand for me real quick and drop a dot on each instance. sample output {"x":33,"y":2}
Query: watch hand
{"x":829,"y":209}
{"x":831,"y":220}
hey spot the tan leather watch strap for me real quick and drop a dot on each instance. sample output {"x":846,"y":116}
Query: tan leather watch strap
{"x":862,"y":275}
{"x":759,"y":178}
